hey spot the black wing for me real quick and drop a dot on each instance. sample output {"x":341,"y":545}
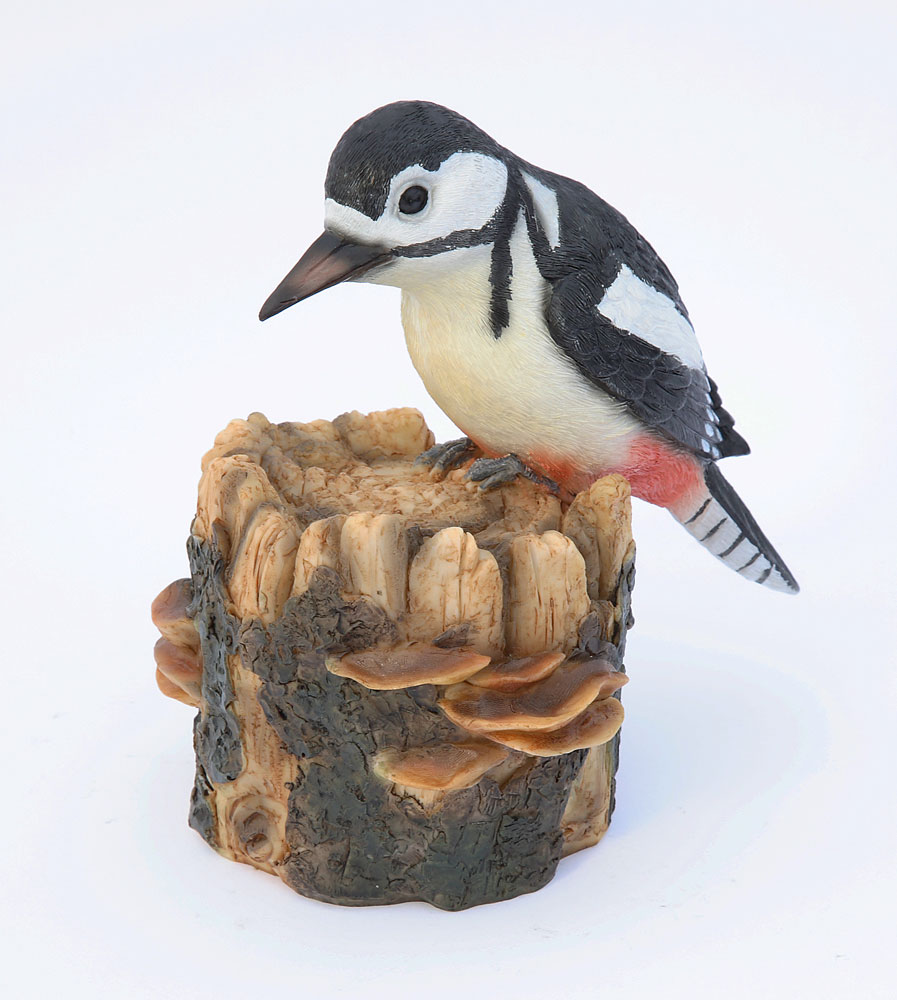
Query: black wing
{"x":675,"y":400}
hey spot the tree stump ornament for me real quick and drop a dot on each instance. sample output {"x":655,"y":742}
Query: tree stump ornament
{"x":407,"y":689}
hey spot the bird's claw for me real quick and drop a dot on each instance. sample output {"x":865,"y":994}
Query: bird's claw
{"x":442,"y":458}
{"x":493,"y":472}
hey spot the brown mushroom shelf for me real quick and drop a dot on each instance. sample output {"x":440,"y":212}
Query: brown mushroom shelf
{"x":407,"y":688}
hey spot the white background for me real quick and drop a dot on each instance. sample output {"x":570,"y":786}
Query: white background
{"x":162,"y":169}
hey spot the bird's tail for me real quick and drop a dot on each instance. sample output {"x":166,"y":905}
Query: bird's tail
{"x":725,"y":527}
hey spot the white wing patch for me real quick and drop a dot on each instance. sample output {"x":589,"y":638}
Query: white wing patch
{"x":545,"y":201}
{"x":634,"y":306}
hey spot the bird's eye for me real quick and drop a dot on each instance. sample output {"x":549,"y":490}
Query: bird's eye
{"x":413,"y":200}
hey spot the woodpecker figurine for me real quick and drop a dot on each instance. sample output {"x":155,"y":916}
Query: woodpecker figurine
{"x":540,"y":321}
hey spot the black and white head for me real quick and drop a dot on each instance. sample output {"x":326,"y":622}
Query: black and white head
{"x":409,"y":188}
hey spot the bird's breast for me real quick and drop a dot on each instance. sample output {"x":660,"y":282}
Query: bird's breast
{"x":516,"y":392}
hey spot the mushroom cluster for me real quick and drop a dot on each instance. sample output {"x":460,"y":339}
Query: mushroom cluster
{"x":178,"y":661}
{"x":542,"y":705}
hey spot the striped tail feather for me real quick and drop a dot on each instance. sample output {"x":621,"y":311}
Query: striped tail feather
{"x":726,"y":528}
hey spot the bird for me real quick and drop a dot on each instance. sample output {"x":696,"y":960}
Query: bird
{"x":540,"y":321}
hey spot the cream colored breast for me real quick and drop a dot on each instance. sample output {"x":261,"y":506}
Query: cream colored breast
{"x":515,"y":393}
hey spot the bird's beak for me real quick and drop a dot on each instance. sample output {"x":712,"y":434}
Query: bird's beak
{"x":327,"y":262}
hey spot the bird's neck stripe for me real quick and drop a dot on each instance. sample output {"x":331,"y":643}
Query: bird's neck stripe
{"x":459,"y":240}
{"x":502,"y":264}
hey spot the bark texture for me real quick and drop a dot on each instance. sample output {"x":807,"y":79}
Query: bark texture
{"x":407,"y":689}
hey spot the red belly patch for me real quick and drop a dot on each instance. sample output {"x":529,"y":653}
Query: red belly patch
{"x":657,"y":472}
{"x":660,"y":474}
{"x":564,"y":472}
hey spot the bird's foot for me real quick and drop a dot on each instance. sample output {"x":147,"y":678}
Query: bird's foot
{"x":442,"y":458}
{"x":493,"y":472}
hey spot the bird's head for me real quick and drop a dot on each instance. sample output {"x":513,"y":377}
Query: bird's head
{"x":409,"y":188}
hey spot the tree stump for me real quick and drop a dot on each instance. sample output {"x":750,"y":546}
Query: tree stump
{"x":407,"y":689}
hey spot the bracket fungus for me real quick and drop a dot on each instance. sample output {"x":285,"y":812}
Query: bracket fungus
{"x":178,"y":671}
{"x":391,"y":669}
{"x":171,"y":616}
{"x":439,"y":767}
{"x":509,"y":675}
{"x":594,"y":726}
{"x":545,"y":704}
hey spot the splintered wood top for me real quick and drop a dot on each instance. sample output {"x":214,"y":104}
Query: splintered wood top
{"x":365,"y":462}
{"x":512,"y":565}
